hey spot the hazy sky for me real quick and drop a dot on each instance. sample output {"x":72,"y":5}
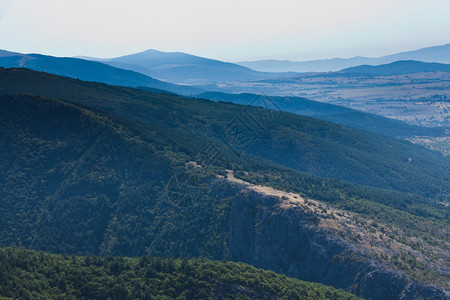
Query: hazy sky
{"x":224,"y":29}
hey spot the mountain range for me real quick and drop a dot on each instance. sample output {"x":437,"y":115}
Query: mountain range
{"x":101,"y":160}
{"x":88,"y":70}
{"x":90,"y":168}
{"x":195,"y":74}
{"x":438,"y":54}
{"x":100,"y":72}
{"x":181,"y":67}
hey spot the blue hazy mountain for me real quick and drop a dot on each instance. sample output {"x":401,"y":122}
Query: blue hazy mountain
{"x":88,"y":71}
{"x":182,"y":67}
{"x":439,"y":54}
{"x":398,"y":68}
{"x":319,"y":65}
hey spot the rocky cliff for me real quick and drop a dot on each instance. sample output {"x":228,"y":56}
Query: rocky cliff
{"x":289,"y":239}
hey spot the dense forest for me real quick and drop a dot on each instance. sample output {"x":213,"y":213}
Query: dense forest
{"x":36,"y":275}
{"x":62,"y":160}
{"x":301,"y":143}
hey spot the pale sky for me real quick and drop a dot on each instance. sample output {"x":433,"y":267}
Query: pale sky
{"x":229,"y":30}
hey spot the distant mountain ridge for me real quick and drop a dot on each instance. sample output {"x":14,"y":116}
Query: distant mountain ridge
{"x":88,"y":70}
{"x":181,"y":67}
{"x":438,"y":54}
{"x":400,"y":67}
{"x":333,"y":113}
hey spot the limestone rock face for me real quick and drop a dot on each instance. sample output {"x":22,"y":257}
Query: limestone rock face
{"x":288,"y":241}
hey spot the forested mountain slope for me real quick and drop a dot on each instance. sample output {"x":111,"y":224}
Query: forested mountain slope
{"x":301,"y":143}
{"x":30,"y":274}
{"x":333,"y":113}
{"x":79,"y":180}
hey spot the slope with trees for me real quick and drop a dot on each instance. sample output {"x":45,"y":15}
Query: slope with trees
{"x":333,"y":113}
{"x":90,"y":177}
{"x":35,"y":275}
{"x":302,"y":143}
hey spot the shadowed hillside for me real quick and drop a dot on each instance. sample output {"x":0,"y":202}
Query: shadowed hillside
{"x":333,"y":113}
{"x":301,"y":143}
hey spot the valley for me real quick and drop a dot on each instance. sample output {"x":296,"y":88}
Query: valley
{"x":222,"y":182}
{"x":419,"y":99}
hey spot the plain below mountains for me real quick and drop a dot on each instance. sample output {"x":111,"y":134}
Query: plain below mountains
{"x":89,"y":71}
{"x":181,"y":67}
{"x":439,"y":54}
{"x":331,"y":113}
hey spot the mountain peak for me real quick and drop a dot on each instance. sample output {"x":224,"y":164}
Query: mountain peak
{"x":179,"y":67}
{"x":5,"y":53}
